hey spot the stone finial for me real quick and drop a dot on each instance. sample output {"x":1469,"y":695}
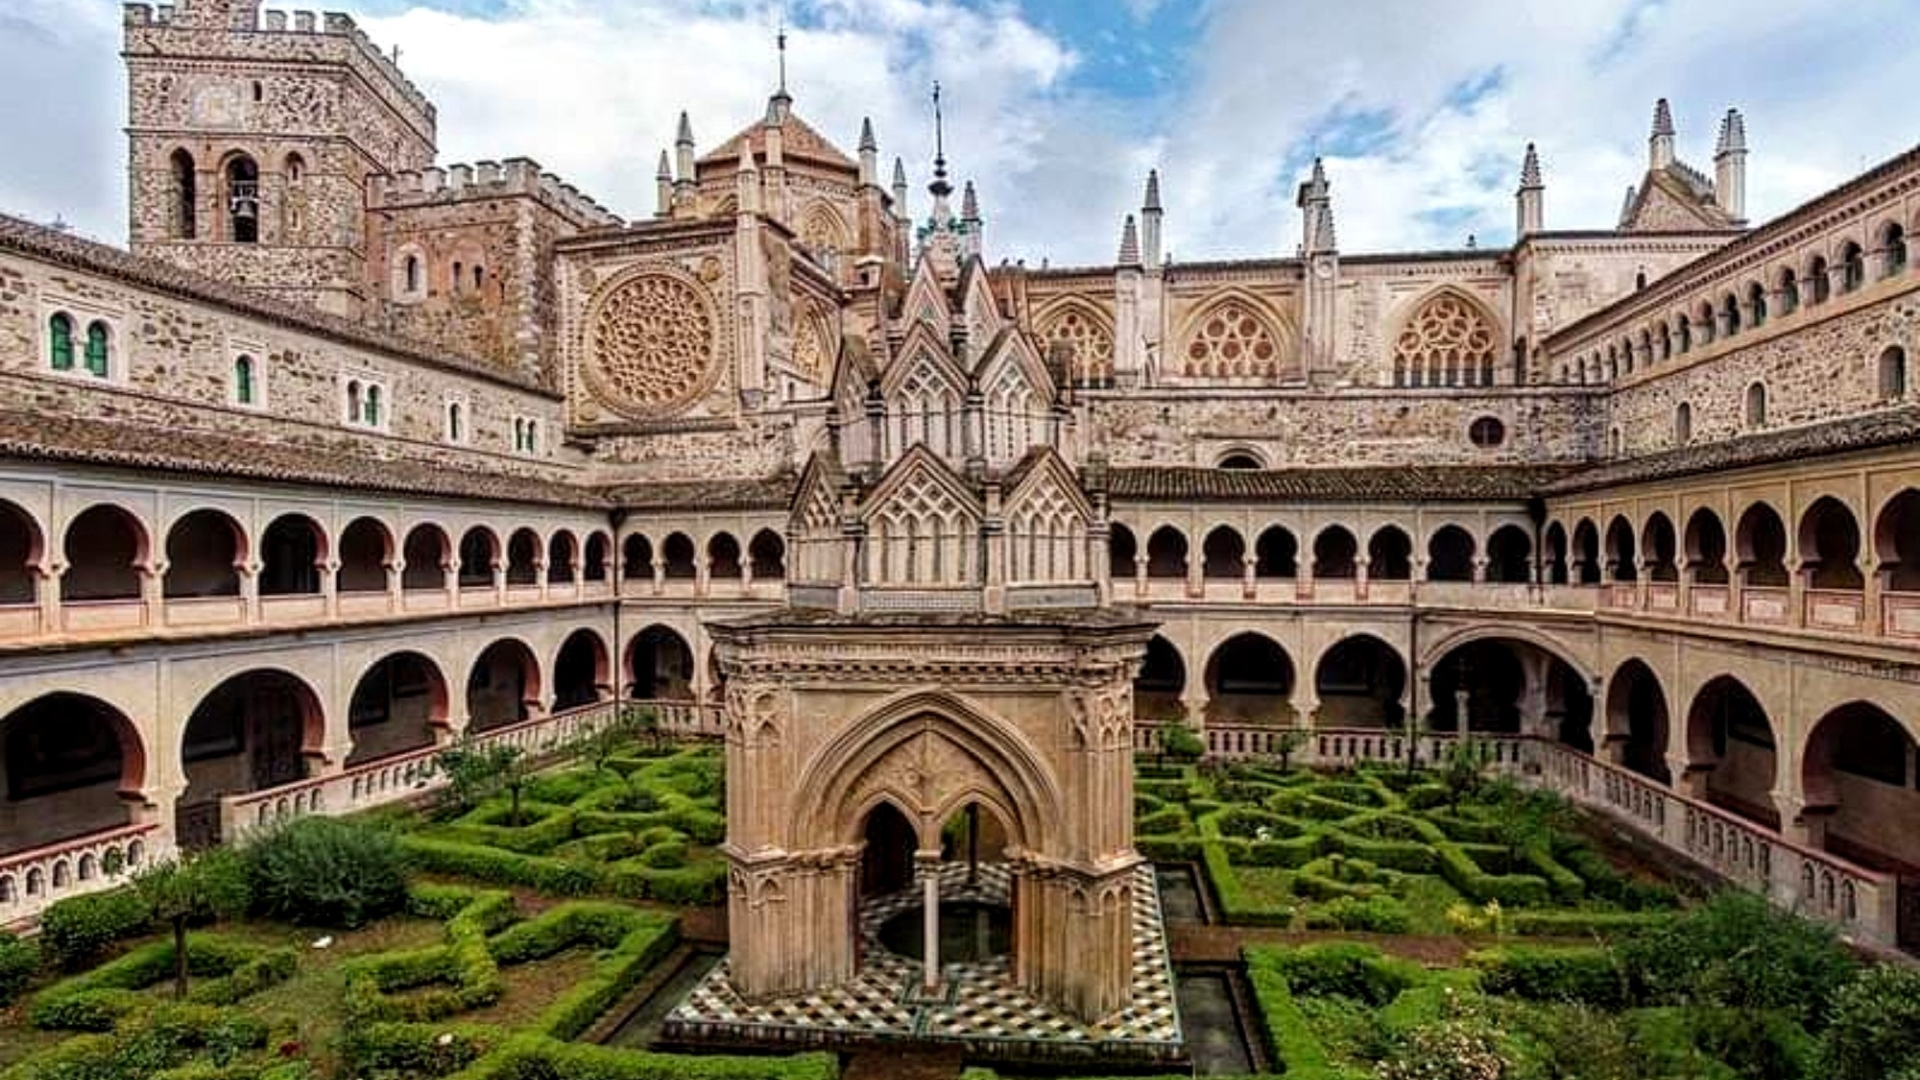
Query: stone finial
{"x":1662,"y":118}
{"x":1626,"y":208}
{"x":867,"y":141}
{"x":1130,"y":243}
{"x":1152,"y":200}
{"x":1733,"y":134}
{"x":1530,"y":170}
{"x":746,"y":157}
{"x":969,"y":204}
{"x":685,"y":136}
{"x":665,"y":172}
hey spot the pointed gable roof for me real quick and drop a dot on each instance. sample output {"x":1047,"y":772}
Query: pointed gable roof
{"x":1676,"y":198}
{"x":799,"y":140}
{"x":1043,"y":467}
{"x":1012,"y":346}
{"x":822,"y":474}
{"x":921,"y":341}
{"x":918,"y":461}
{"x":925,"y":293}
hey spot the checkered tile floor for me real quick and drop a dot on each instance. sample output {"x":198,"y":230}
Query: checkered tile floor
{"x":978,"y":1004}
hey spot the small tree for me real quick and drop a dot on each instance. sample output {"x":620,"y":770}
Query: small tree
{"x":477,"y":772}
{"x":1180,"y":742}
{"x":1289,"y":744}
{"x":209,"y":885}
{"x":602,"y":744}
{"x":1463,"y":769}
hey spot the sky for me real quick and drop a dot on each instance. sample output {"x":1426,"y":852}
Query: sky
{"x":1057,"y":108}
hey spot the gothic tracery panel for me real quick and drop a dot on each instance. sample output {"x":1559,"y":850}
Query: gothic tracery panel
{"x":1447,"y":342}
{"x":1231,"y":340}
{"x":651,"y":344}
{"x":922,"y":535}
{"x":1090,"y":338}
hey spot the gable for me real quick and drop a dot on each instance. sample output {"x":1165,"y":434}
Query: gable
{"x":923,"y":357}
{"x":921,"y":486}
{"x":1664,"y":204}
{"x":1047,"y":486}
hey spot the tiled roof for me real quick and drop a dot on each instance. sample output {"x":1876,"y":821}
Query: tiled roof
{"x":766,"y":493}
{"x":89,"y":256}
{"x":798,"y":139}
{"x":117,"y":443}
{"x":1410,"y":483}
{"x":1886,"y":427}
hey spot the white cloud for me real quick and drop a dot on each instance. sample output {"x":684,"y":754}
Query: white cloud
{"x":592,"y":91}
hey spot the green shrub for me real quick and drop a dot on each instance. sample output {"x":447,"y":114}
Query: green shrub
{"x":1584,"y":975}
{"x":18,"y":962}
{"x":1463,"y":1044}
{"x":1874,"y":1020}
{"x":1168,"y":822}
{"x":228,"y":971}
{"x":498,"y":867}
{"x":325,"y":871}
{"x":1372,"y":914}
{"x":1737,"y":951}
{"x":1576,"y":1042}
{"x":1347,"y":969}
{"x":1585,"y":924}
{"x":76,"y":931}
{"x":1735,"y":1044}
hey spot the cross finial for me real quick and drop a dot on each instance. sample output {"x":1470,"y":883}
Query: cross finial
{"x":939,"y":187}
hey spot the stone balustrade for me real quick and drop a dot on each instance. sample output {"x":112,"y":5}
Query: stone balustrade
{"x":32,"y":880}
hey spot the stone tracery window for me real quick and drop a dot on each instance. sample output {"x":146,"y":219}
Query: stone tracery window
{"x":1046,"y":538}
{"x":1092,"y":344}
{"x":922,"y":536}
{"x":652,"y":344}
{"x":1447,"y":342}
{"x":1232,"y":340}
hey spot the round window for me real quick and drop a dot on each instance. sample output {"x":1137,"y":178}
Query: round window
{"x":1487,"y":432}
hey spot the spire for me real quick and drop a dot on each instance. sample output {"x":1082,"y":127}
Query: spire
{"x":1626,"y":208}
{"x":780,"y":105}
{"x":1150,"y":217}
{"x":899,"y":188}
{"x":1662,"y":118}
{"x":969,"y":204}
{"x":970,"y":224}
{"x":1315,"y":201}
{"x":1660,"y":152}
{"x":1129,"y":243}
{"x":1530,"y":170}
{"x":1530,"y":202}
{"x":683,"y":151}
{"x":1730,"y":166}
{"x":665,"y":171}
{"x":940,"y":188}
{"x":869,"y":155}
{"x":867,"y":141}
{"x":663,"y":186}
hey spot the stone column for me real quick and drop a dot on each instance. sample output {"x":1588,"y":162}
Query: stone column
{"x":396,"y":578}
{"x":1249,"y":582}
{"x":250,"y":591}
{"x":929,"y":868}
{"x":330,"y":588}
{"x":500,"y":580}
{"x":1871,"y":621}
{"x":1360,"y":564}
{"x":153,"y":595}
{"x":1480,"y":569}
{"x":702,"y":574}
{"x":540,"y":565}
{"x":46,"y":593}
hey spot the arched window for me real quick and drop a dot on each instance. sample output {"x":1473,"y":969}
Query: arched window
{"x":1893,"y":374}
{"x":1757,"y":405}
{"x":1683,"y":333}
{"x":296,"y":169}
{"x":459,"y":278}
{"x":243,"y":380}
{"x":1789,"y":292}
{"x":60,"y":342}
{"x":479,"y":276}
{"x":413,"y":273}
{"x":456,"y":430}
{"x":99,"y":346}
{"x":1447,"y":342}
{"x":1894,"y":243}
{"x":185,"y":212}
{"x":1756,"y":305}
{"x":1853,"y":267}
{"x":373,"y":406}
{"x":1822,"y":281}
{"x":1666,"y":342}
{"x":353,"y":401}
{"x":1683,"y":424}
{"x":243,"y":200}
{"x":1730,"y":315}
{"x":533,"y":437}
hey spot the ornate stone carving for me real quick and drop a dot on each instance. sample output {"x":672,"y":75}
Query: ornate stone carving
{"x":1448,"y":342}
{"x":651,"y":347}
{"x":1091,"y":340}
{"x":1231,"y":340}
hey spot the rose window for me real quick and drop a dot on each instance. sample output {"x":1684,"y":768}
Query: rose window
{"x":1231,"y":341}
{"x":1447,"y":343}
{"x":653,"y":344}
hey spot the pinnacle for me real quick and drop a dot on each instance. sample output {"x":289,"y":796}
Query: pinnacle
{"x":899,"y":173}
{"x":1733,"y":133}
{"x":685,"y":136}
{"x":867,"y":141}
{"x":1153,"y":190}
{"x":746,"y":156}
{"x":969,"y":204}
{"x":1662,"y":118}
{"x":1130,"y":243}
{"x":1530,"y":169}
{"x":666,"y":167}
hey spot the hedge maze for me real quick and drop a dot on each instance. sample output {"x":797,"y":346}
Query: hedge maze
{"x":1386,"y":851}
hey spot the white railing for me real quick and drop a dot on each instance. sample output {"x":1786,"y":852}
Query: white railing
{"x":32,"y":880}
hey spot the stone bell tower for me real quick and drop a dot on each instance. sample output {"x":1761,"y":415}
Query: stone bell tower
{"x":251,"y":140}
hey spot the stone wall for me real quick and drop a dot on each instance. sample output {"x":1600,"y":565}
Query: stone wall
{"x":1352,"y":428}
{"x":172,"y":366}
{"x":1819,"y":364}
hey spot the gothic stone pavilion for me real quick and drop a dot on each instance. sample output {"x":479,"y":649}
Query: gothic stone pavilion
{"x":351,"y":452}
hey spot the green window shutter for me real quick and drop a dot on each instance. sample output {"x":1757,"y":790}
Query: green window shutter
{"x":60,"y":343}
{"x":373,"y":406}
{"x":97,"y":350}
{"x":243,"y":380}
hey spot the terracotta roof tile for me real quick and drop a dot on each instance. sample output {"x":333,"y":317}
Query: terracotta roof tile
{"x":1409,"y":483}
{"x":89,"y":256}
{"x":1886,"y":427}
{"x":766,"y":493}
{"x":332,"y":463}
